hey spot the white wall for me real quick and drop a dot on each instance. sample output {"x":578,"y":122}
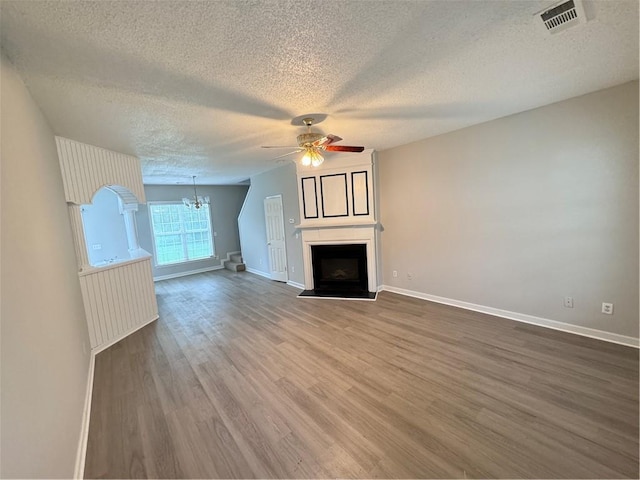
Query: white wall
{"x":104,"y":227}
{"x":253,"y":235}
{"x":519,"y":212}
{"x":226,"y":202}
{"x":45,"y":355}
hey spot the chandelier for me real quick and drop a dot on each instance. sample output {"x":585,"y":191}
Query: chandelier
{"x":196,"y":202}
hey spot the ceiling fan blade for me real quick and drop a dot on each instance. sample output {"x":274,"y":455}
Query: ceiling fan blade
{"x":280,"y":146}
{"x":326,"y":140}
{"x":287,"y":154}
{"x":342,"y":148}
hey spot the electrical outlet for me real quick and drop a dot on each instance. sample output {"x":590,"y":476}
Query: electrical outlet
{"x":568,"y":302}
{"x":395,"y":274}
{"x":607,"y":308}
{"x":409,"y":276}
{"x":293,"y":269}
{"x":260,"y":261}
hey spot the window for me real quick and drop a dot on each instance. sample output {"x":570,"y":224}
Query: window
{"x":180,"y":234}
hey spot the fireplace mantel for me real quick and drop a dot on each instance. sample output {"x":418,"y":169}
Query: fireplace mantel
{"x":363,"y":234}
{"x":337,"y":207}
{"x":310,"y":225}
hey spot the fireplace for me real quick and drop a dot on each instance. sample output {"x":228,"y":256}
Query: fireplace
{"x":339,"y":271}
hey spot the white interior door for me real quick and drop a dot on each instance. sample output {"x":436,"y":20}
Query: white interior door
{"x":274,"y":218}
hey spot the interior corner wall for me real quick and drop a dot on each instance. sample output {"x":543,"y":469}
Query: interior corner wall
{"x":519,"y":212}
{"x":45,"y":345}
{"x":251,"y":223}
{"x":226,"y":202}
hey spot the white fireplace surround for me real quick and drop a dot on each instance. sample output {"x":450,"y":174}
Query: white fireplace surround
{"x":337,"y":208}
{"x":363,"y":235}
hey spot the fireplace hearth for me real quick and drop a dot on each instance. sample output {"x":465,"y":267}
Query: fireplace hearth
{"x":339,"y":271}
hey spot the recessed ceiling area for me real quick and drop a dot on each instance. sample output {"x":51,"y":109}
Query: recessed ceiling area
{"x":195,"y":88}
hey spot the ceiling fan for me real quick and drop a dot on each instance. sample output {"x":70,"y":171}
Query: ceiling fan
{"x":312,"y":143}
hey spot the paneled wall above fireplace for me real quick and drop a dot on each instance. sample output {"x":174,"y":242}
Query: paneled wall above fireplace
{"x":337,"y":209}
{"x":339,"y":192}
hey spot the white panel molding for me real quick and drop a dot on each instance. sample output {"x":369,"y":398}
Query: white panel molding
{"x":187,"y":273}
{"x":86,"y":169}
{"x":117,"y":300}
{"x":309,"y":197}
{"x":79,"y":241}
{"x":334,"y":195}
{"x":331,"y":195}
{"x":521,"y":317}
{"x":81,"y":454}
{"x":360,"y":193}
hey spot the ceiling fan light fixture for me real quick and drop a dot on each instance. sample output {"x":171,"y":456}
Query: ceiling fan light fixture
{"x":312,"y":143}
{"x":316,"y":160}
{"x":311,"y":157}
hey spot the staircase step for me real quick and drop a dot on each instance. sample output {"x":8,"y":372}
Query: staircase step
{"x":234,"y":266}
{"x":236,"y":257}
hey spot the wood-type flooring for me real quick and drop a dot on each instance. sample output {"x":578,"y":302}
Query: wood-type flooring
{"x":239,"y":378}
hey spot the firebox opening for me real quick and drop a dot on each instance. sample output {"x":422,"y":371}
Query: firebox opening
{"x":339,"y":271}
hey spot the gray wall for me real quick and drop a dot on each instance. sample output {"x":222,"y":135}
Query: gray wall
{"x":226,"y":202}
{"x":45,"y":343}
{"x":104,"y":226}
{"x":253,"y":235}
{"x":519,"y":212}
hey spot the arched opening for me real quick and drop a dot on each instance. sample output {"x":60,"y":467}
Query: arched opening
{"x":109,"y":226}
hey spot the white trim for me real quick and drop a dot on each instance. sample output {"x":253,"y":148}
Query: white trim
{"x":104,"y":346}
{"x":296,"y":284}
{"x":86,"y":417}
{"x":273,"y":273}
{"x":244,"y":203}
{"x":258,"y":272}
{"x":136,"y":256}
{"x":522,"y":317}
{"x":341,"y":236}
{"x":189,"y":272}
{"x":350,"y":223}
{"x":240,"y":215}
{"x":341,"y":298}
{"x":182,"y":234}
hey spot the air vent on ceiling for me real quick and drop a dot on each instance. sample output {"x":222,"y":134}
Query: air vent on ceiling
{"x":561,"y":16}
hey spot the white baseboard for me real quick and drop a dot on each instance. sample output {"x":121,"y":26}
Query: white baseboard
{"x":86,"y":417}
{"x":521,"y":317}
{"x":86,"y":414}
{"x":184,"y":274}
{"x":296,"y":284}
{"x":258,"y":272}
{"x":104,"y":346}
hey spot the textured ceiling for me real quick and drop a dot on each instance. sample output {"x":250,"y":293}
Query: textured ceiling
{"x":196,"y":87}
